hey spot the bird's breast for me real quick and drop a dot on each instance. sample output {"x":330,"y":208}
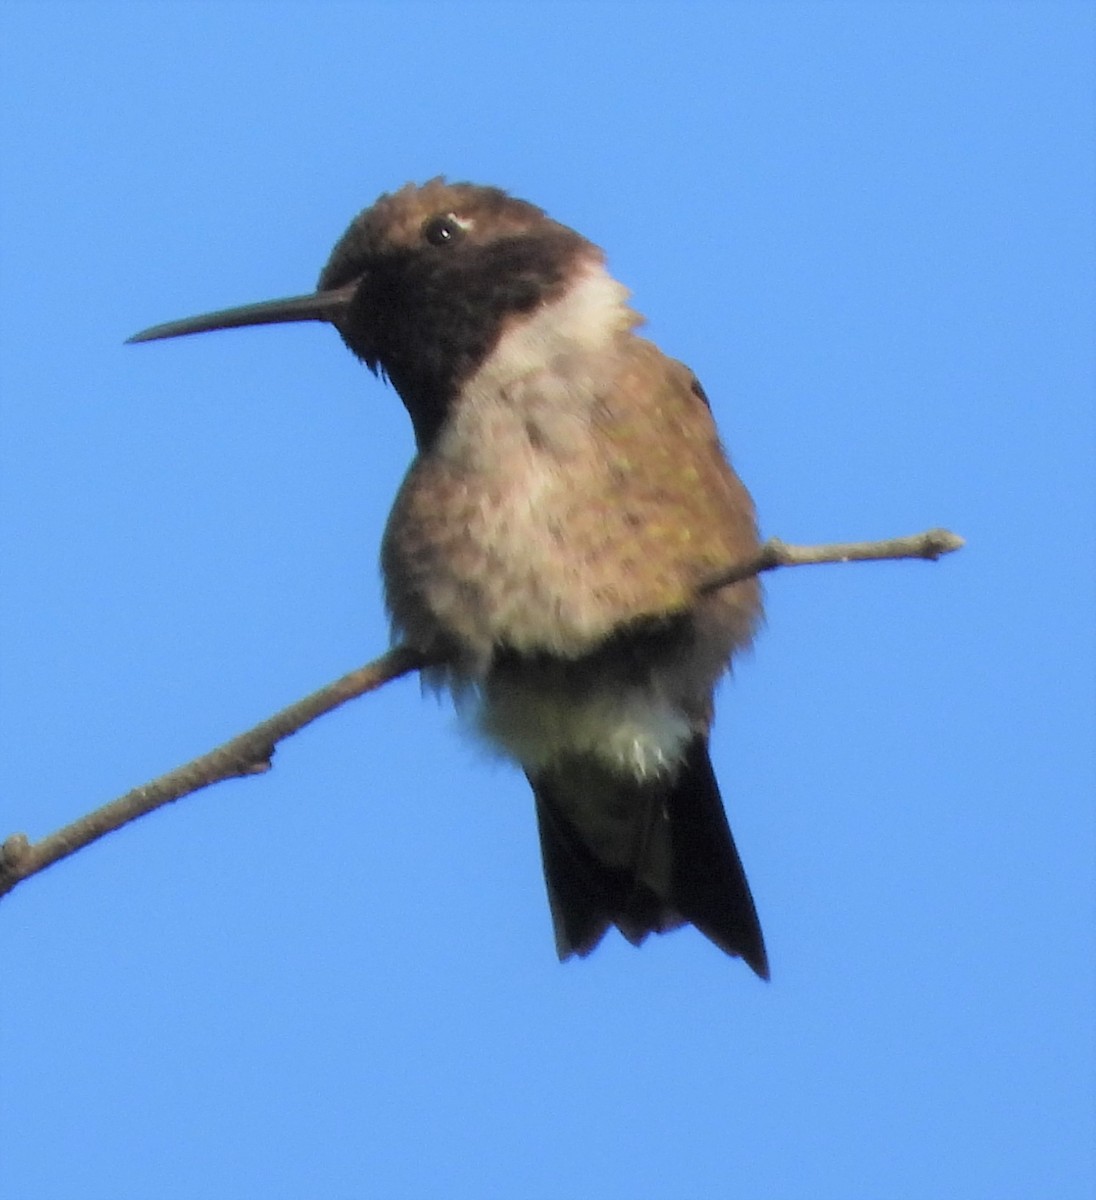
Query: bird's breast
{"x":493,"y":529}
{"x":561,"y":504}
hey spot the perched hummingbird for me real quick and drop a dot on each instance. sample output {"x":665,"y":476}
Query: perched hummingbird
{"x":548,"y":547}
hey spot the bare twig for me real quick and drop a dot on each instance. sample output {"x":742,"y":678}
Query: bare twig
{"x":932,"y":544}
{"x":248,"y":754}
{"x":251,"y":752}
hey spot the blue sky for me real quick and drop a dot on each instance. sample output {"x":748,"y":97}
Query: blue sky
{"x":869,"y":229}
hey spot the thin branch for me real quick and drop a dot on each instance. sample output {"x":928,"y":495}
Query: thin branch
{"x":932,"y":544}
{"x":248,"y":754}
{"x":251,"y":752}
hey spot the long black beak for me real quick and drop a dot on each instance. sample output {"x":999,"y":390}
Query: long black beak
{"x":318,"y":306}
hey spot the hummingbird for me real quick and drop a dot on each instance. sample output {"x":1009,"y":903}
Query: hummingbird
{"x":548,"y":549}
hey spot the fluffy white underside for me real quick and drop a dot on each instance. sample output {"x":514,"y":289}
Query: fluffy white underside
{"x":629,"y":731}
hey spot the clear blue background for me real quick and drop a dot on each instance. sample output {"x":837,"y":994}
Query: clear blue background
{"x":869,"y":228}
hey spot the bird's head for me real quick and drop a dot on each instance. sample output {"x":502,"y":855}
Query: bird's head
{"x":424,"y":283}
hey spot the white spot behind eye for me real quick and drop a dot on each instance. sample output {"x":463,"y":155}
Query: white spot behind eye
{"x":466,"y":223}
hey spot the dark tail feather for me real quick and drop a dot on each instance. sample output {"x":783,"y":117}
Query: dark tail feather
{"x":710,"y":888}
{"x":644,"y":857}
{"x":580,"y":894}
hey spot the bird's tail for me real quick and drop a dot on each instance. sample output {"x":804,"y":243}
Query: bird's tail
{"x":644,"y":856}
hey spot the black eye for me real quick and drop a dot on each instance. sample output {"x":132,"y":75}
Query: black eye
{"x":442,"y":230}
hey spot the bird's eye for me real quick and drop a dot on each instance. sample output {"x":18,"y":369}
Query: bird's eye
{"x":442,"y":230}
